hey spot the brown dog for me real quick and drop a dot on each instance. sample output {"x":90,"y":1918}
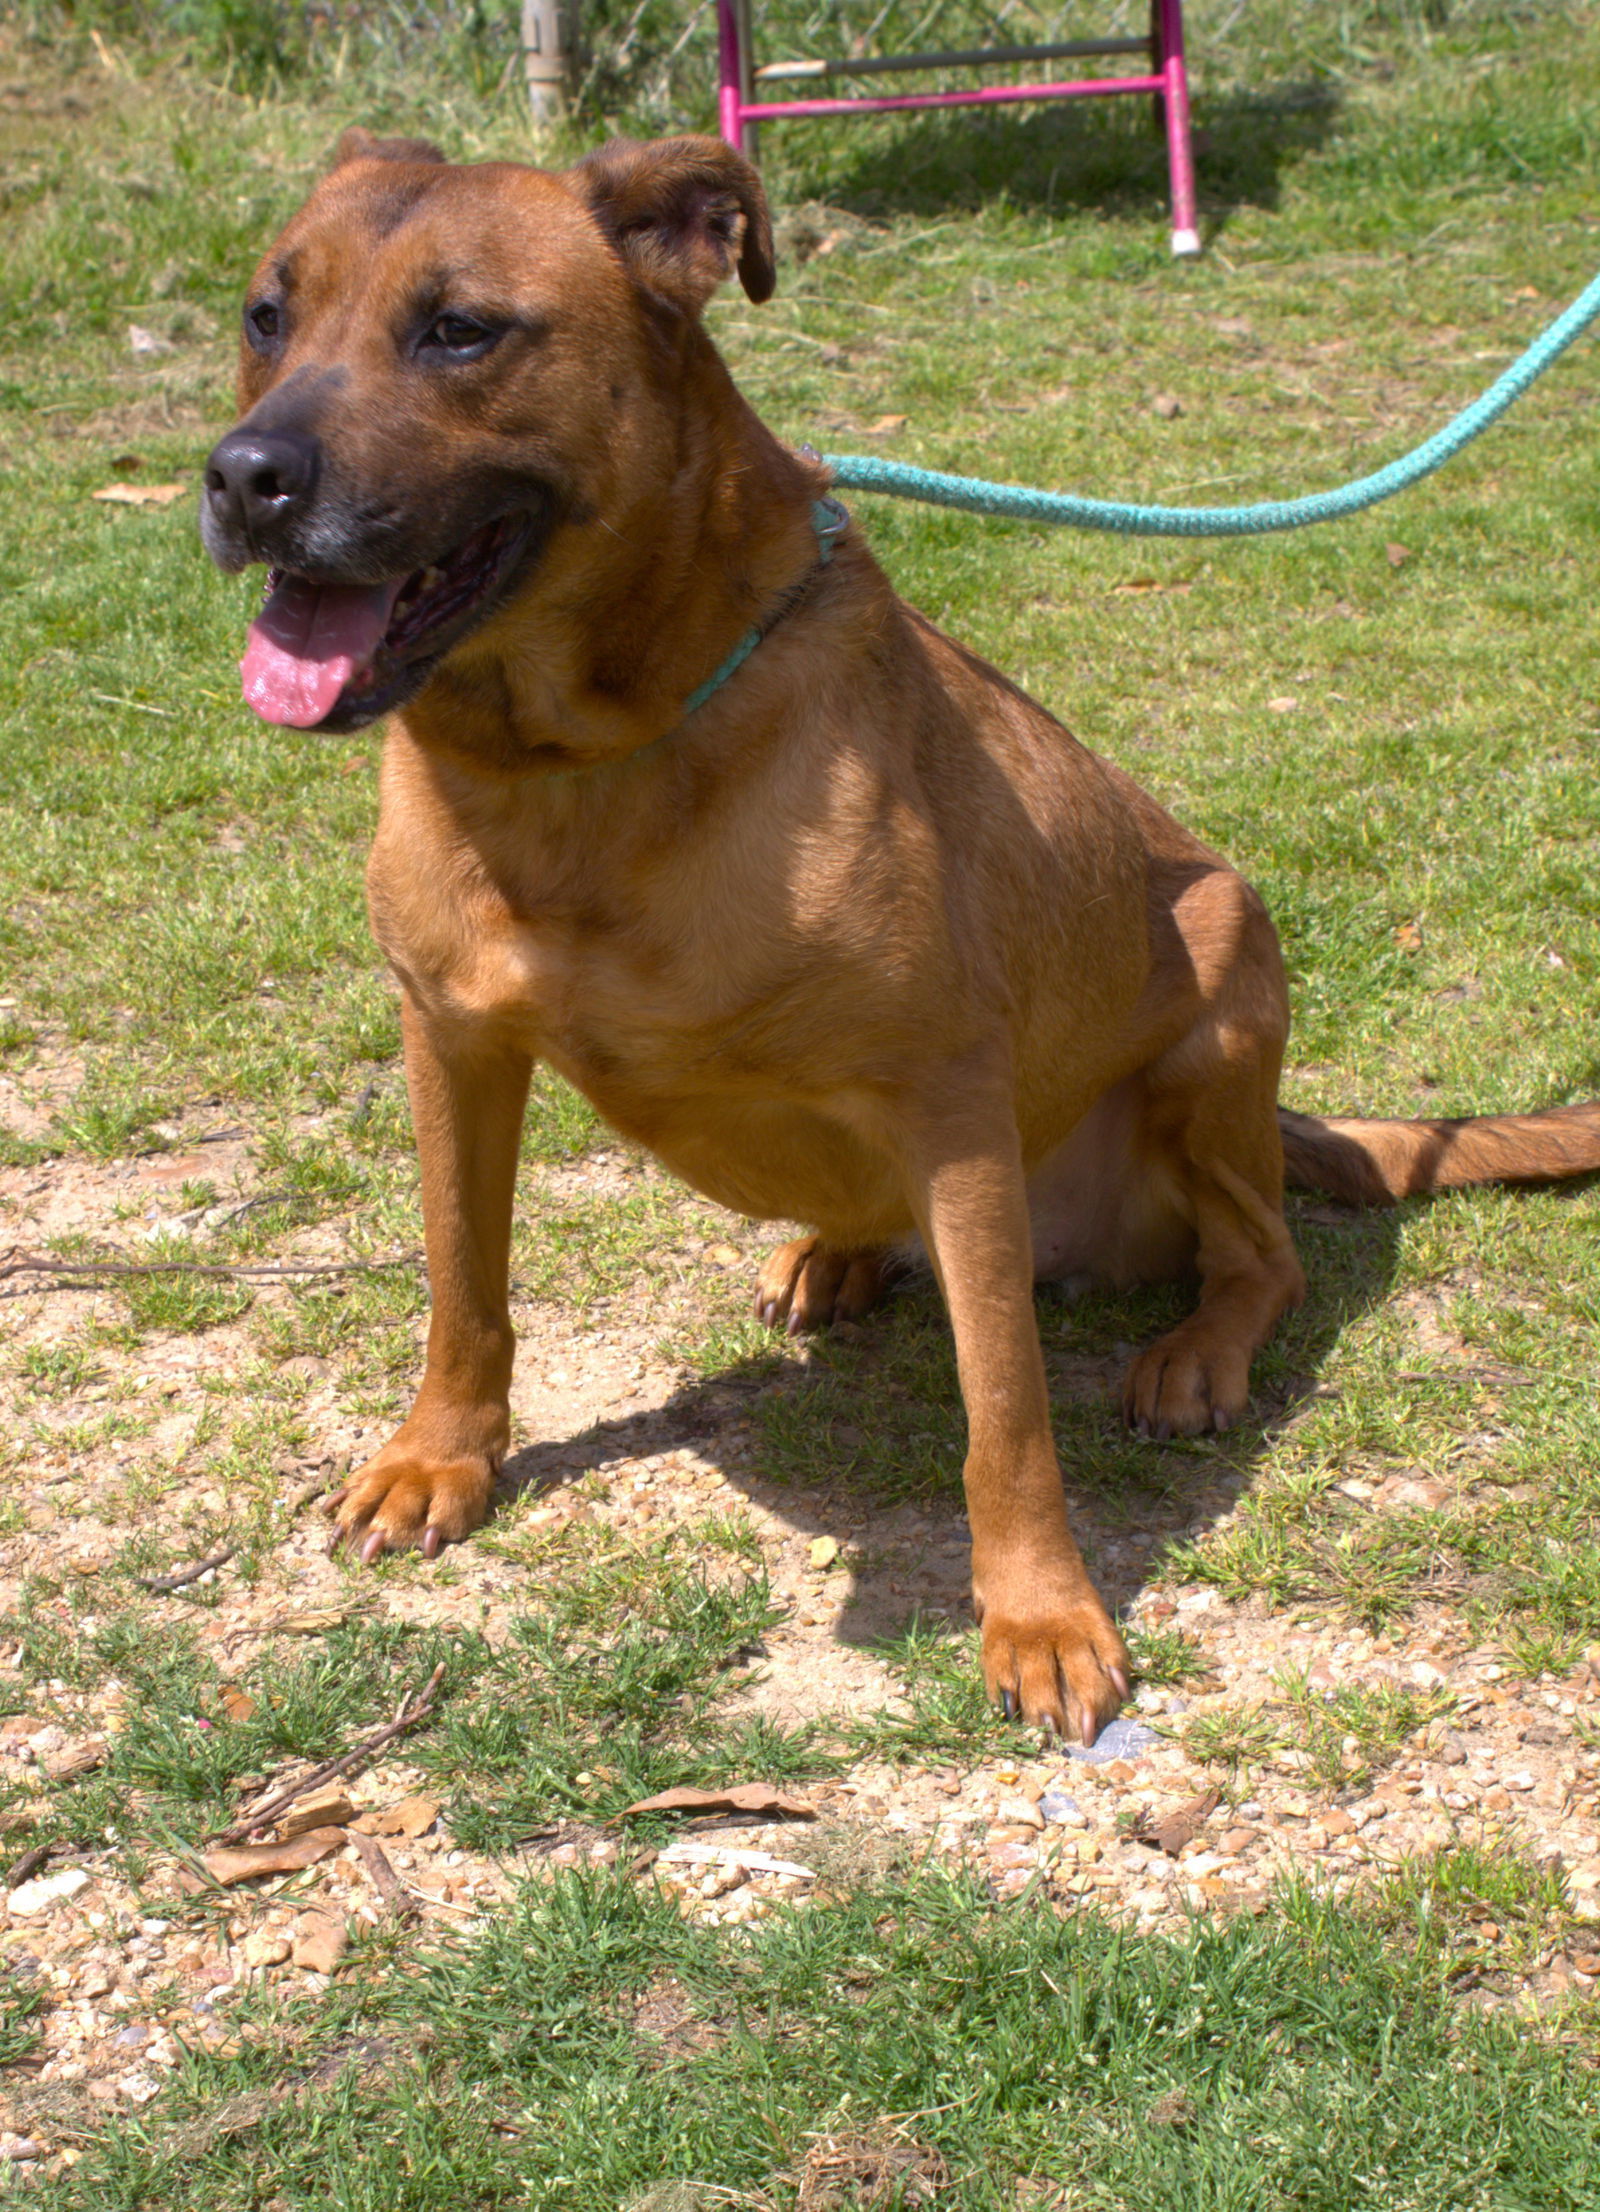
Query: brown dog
{"x":857,"y":935}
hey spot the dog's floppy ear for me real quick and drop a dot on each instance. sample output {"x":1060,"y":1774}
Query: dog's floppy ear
{"x":684,"y":213}
{"x":359,"y":145}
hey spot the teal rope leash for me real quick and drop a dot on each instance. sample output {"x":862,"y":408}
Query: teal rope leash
{"x":866,"y":472}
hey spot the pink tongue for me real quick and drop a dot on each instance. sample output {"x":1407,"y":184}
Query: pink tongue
{"x":306,"y":644}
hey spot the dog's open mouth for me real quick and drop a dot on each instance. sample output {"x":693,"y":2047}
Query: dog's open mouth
{"x":339,"y":655}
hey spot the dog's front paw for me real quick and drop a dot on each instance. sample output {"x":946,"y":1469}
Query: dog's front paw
{"x":1051,"y":1652}
{"x":807,"y":1284}
{"x":1188,"y":1383}
{"x":405,"y":1497}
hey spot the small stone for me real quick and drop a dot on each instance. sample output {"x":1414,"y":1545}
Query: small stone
{"x":1123,"y":1739}
{"x":265,"y":1947}
{"x":1235,"y":1840}
{"x":20,"y":2149}
{"x":1167,"y":405}
{"x":320,"y":1942}
{"x":1019,"y":1813}
{"x":1062,"y":1811}
{"x":1520,"y":1781}
{"x":823,"y":1551}
{"x":30,"y":1898}
{"x":1338,"y":1823}
{"x":1497,"y":1800}
{"x":135,"y":2038}
{"x":1450,"y":1751}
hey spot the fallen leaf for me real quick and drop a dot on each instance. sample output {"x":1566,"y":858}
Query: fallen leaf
{"x":247,"y":1860}
{"x":1396,"y":554}
{"x":1167,"y":406}
{"x":329,"y":1808}
{"x":236,"y":1706}
{"x":1408,"y":936}
{"x":884,"y":427}
{"x":1150,"y":583}
{"x":410,"y":1816}
{"x":1285,"y":704}
{"x":140,"y":495}
{"x":741,"y":1797}
{"x":320,"y":1942}
{"x":824,"y":1550}
{"x":723,"y":1255}
{"x":141,"y":340}
{"x":1172,"y":1832}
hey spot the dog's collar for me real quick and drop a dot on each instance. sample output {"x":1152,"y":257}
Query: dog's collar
{"x":828,"y":519}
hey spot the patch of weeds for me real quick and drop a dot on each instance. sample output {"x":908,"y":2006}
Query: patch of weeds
{"x":1353,"y":1731}
{"x":573,"y":1720}
{"x":1531,"y":1651}
{"x":59,"y":1370}
{"x":560,"y":1123}
{"x":945,"y":1712}
{"x":184,"y":1305}
{"x":1166,"y":1656}
{"x":1232,"y":1736}
{"x":105,"y":1128}
{"x":20,"y":2008}
{"x":1485,"y":1899}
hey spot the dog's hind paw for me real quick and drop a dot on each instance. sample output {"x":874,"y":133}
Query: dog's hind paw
{"x":405,"y":1499}
{"x":807,"y":1284}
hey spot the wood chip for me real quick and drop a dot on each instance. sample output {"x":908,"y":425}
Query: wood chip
{"x":758,"y":1798}
{"x":322,"y":1809}
{"x":73,"y":1765}
{"x":244,"y":1862}
{"x":412,"y":1816}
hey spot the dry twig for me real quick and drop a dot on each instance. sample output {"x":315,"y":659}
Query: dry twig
{"x":176,"y":1577}
{"x":396,"y":1897}
{"x":411,"y":1711}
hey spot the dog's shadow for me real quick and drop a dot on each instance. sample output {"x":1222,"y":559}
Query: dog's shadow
{"x":1103,"y":154}
{"x":864,"y":1438}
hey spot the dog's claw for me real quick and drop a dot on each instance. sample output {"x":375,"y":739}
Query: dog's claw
{"x":372,"y":1547}
{"x":432,"y":1541}
{"x":1088,"y":1726}
{"x":1009,"y":1704}
{"x":1124,"y":1687}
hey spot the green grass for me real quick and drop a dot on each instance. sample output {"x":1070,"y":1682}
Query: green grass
{"x":1395,"y":196}
{"x":1312,"y":2059}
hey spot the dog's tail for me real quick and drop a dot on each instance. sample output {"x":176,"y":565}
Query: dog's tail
{"x":1373,"y":1163}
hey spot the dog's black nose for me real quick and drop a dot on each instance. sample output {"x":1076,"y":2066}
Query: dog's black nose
{"x":257,"y":480}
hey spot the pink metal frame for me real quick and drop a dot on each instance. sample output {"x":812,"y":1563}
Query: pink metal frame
{"x":1168,"y":80}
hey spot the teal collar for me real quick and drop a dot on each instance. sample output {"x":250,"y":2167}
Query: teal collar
{"x":828,"y":519}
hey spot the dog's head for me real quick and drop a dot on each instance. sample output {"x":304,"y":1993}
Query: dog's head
{"x":439,"y":367}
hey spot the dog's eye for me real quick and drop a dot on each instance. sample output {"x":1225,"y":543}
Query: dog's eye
{"x":460,"y":336}
{"x":263,"y":325}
